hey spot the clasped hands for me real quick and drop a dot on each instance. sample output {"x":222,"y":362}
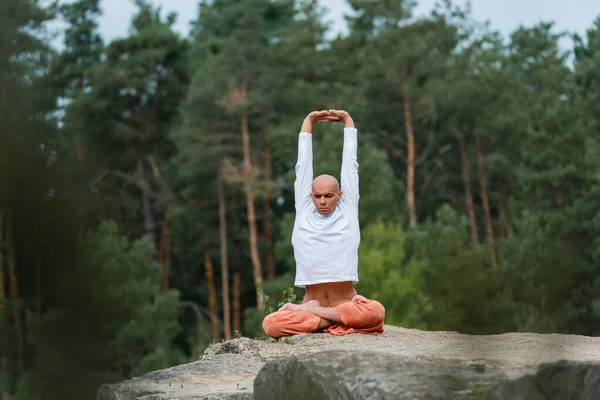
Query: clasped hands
{"x":327,"y":116}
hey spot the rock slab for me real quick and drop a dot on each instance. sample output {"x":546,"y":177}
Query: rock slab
{"x":225,"y":377}
{"x":563,"y":380}
{"x":366,"y":375}
{"x":227,"y":370}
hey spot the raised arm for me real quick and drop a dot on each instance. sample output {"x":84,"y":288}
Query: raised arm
{"x":349,"y":174}
{"x":304,"y":165}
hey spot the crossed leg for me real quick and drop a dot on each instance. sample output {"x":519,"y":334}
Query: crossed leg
{"x":358,"y":315}
{"x":328,"y":316}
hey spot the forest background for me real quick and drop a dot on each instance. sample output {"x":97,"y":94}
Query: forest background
{"x":146,"y":200}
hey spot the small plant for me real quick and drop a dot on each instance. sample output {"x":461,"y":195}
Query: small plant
{"x":287,"y":340}
{"x":238,"y":334}
{"x":289,"y":296}
{"x":480,"y":392}
{"x":266,"y":308}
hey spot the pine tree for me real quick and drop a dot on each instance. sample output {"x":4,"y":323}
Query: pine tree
{"x":110,"y":317}
{"x":27,"y":141}
{"x":543,"y":258}
{"x":400,"y":82}
{"x":232,"y":42}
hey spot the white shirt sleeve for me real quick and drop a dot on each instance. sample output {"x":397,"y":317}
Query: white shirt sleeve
{"x":349,"y":172}
{"x":304,"y":172}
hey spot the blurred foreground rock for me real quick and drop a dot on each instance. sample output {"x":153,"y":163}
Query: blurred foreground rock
{"x":401,"y":364}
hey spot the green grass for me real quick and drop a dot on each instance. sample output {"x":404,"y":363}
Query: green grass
{"x":480,"y":392}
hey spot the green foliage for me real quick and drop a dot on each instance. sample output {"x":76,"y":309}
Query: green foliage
{"x":289,"y":296}
{"x":542,"y":275}
{"x":73,"y":67}
{"x":126,"y":109}
{"x":386,"y":275}
{"x":458,"y":279}
{"x":132,"y":328}
{"x":480,"y":392}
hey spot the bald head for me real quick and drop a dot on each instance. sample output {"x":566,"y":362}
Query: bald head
{"x":325,"y":183}
{"x":325,"y":194}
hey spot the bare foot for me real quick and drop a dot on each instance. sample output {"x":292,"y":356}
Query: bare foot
{"x":358,"y":297}
{"x":309,"y":304}
{"x":300,"y":307}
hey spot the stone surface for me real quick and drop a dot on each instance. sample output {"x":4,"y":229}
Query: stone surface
{"x":226,"y":376}
{"x":227,"y":370}
{"x":562,"y":380}
{"x":366,"y":375}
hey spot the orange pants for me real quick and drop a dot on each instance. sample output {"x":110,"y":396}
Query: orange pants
{"x":362,"y":316}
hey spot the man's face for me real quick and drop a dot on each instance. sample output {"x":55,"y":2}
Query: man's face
{"x":325,"y":194}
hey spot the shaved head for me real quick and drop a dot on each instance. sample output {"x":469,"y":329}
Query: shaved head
{"x":325,"y":194}
{"x":325,"y":183}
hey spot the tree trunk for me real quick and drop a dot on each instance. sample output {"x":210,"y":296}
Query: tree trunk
{"x":78,"y":147}
{"x":464,"y":165}
{"x":165,"y":253}
{"x":38,"y":284}
{"x":268,"y":230}
{"x":3,"y":360}
{"x":248,"y":183}
{"x":502,"y":218}
{"x":237,"y":281}
{"x":2,"y":294}
{"x":224,"y":259}
{"x":212,"y":295}
{"x":237,"y":305}
{"x":14,"y":290}
{"x":146,"y":201}
{"x":484,"y":198}
{"x":410,"y":156}
{"x":559,"y":195}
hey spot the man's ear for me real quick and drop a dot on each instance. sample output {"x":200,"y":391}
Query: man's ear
{"x":340,"y":195}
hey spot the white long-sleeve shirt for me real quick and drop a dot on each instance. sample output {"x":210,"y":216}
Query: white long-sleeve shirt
{"x":326,"y":246}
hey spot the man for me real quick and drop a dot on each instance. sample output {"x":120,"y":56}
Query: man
{"x":326,"y":238}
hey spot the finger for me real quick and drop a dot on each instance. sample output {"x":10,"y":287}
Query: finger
{"x":329,"y":120}
{"x":327,"y":116}
{"x":339,"y":112}
{"x":318,"y":113}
